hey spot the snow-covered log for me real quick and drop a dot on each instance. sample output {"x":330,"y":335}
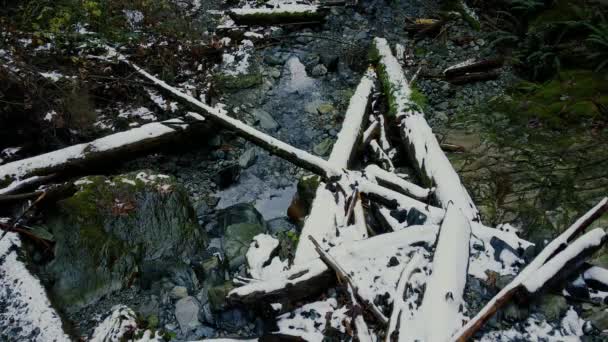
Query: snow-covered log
{"x":443,"y":302}
{"x":565,"y":262}
{"x":505,"y":295}
{"x":26,"y":305}
{"x":112,"y":147}
{"x":321,"y":224}
{"x":287,"y":13}
{"x":309,"y":278}
{"x":418,"y":137}
{"x":391,"y":180}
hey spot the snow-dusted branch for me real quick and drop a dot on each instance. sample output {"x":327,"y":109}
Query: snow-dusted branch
{"x":530,"y":271}
{"x":285,"y":13}
{"x":391,"y":180}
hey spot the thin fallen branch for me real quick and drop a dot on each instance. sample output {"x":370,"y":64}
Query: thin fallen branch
{"x":392,"y":181}
{"x":380,"y":156}
{"x":472,"y":66}
{"x":418,"y":137}
{"x":363,"y":333}
{"x":399,"y":303}
{"x":505,"y":295}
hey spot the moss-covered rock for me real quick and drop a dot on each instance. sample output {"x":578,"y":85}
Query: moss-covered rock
{"x":111,"y":227}
{"x":240,"y":224}
{"x":217,"y":295}
{"x":307,"y":189}
{"x":231,"y":83}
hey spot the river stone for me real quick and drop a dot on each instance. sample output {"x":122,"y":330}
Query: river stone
{"x":240,"y":224}
{"x":248,"y":158}
{"x":179,"y":292}
{"x":265,"y":120}
{"x":319,"y":70}
{"x":186,"y":313}
{"x":324,"y":147}
{"x":110,"y":227}
{"x":217,"y":295}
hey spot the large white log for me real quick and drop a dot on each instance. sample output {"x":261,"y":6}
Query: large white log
{"x":418,"y":137}
{"x":443,"y":303}
{"x":321,"y":223}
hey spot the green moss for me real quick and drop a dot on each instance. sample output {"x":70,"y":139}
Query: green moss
{"x":236,"y":82}
{"x":307,"y":189}
{"x":419,"y":98}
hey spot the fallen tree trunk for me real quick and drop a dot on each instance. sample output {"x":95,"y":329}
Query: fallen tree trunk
{"x":289,"y":13}
{"x":321,"y":223}
{"x":529,"y":271}
{"x":443,"y":300}
{"x":419,"y":140}
{"x":101,"y":151}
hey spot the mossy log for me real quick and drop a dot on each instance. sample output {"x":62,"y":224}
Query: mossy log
{"x":104,"y":151}
{"x":285,"y":14}
{"x":419,"y":140}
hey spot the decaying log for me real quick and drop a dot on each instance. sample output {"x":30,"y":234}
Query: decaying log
{"x":530,"y":271}
{"x":321,"y":223}
{"x":443,"y":301}
{"x":472,"y":66}
{"x":98,"y":152}
{"x":289,"y":13}
{"x":418,"y":137}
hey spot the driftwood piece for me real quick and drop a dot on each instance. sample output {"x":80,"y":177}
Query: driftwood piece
{"x":473,"y":66}
{"x":474,"y":77}
{"x":288,"y":13}
{"x":505,"y":295}
{"x":321,"y":223}
{"x":418,"y":137}
{"x":99,"y":152}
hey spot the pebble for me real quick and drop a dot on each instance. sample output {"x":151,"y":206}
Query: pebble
{"x":186,"y":312}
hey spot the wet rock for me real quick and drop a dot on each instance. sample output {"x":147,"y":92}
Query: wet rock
{"x":319,"y":70}
{"x":179,"y":292}
{"x":227,"y":176}
{"x":330,"y":61}
{"x":415,"y":217}
{"x":514,"y":313}
{"x":324,"y":147}
{"x":248,"y":158}
{"x":186,"y":313}
{"x":213,"y":271}
{"x":232,"y":320}
{"x":280,"y":224}
{"x":325,"y":108}
{"x":265,"y":120}
{"x":149,"y":306}
{"x":240,"y":223}
{"x":111,"y":227}
{"x":217,"y":295}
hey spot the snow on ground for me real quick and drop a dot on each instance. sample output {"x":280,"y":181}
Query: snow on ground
{"x":142,"y":113}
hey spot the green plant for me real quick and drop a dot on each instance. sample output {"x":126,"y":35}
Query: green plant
{"x":598,"y":41}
